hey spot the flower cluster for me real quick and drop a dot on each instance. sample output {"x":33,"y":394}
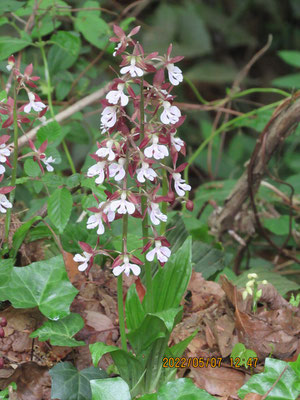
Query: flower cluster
{"x":35,"y":109}
{"x":139,"y":152}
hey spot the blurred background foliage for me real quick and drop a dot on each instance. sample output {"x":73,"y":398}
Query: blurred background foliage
{"x":217,"y":38}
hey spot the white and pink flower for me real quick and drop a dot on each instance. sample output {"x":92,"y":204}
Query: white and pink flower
{"x":114,"y":96}
{"x":170,"y":114}
{"x":98,"y":170}
{"x":4,"y":153}
{"x":145,"y":172}
{"x":82,"y":259}
{"x":161,"y":252}
{"x":35,"y":105}
{"x":107,"y":151}
{"x":132,"y":69}
{"x":158,"y":151}
{"x":180,"y":186}
{"x":108,"y":117}
{"x":156,"y":215}
{"x":48,"y":161}
{"x":123,"y":206}
{"x":175,"y":74}
{"x":126,"y":268}
{"x":116,"y":170}
{"x":96,"y":220}
{"x":4,"y":203}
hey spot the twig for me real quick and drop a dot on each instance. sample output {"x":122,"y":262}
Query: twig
{"x":275,"y":383}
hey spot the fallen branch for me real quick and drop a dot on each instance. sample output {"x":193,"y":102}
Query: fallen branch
{"x":285,"y":118}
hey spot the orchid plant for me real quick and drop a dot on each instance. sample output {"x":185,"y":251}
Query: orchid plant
{"x":133,"y":156}
{"x":137,"y":159}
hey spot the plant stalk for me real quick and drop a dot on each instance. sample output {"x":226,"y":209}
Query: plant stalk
{"x":14,"y":165}
{"x":148,"y":271}
{"x":120,"y":287}
{"x":49,"y":89}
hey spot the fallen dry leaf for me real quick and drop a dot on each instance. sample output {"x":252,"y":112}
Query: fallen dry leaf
{"x":33,"y":381}
{"x":219,"y":381}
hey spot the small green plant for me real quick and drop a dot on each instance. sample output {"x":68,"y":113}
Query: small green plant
{"x":252,"y":289}
{"x":243,"y":357}
{"x":5,"y":394}
{"x":295,"y":301}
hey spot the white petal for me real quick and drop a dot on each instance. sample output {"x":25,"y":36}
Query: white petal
{"x":2,"y":169}
{"x":124,"y":99}
{"x":149,"y":151}
{"x":100,"y":178}
{"x":120,"y":175}
{"x":27,"y":108}
{"x":130,"y":207}
{"x":151,"y":254}
{"x":118,"y":270}
{"x":83,"y":267}
{"x":79,"y":258}
{"x":164,"y":117}
{"x":124,"y":70}
{"x":178,"y":189}
{"x":115,"y":204}
{"x":135,"y":269}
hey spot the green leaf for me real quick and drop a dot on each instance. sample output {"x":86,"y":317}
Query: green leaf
{"x":70,"y":384}
{"x":153,"y":327}
{"x":291,"y":57}
{"x":94,"y":29}
{"x":283,"y":390}
{"x":135,"y":312}
{"x":6,"y":267}
{"x":20,"y":235}
{"x":31,"y":168}
{"x":50,"y":132}
{"x":63,"y":54}
{"x":182,"y":389}
{"x":240,"y":351}
{"x":5,"y":394}
{"x":10,"y":45}
{"x":291,"y":81}
{"x":295,"y":365}
{"x":170,"y":282}
{"x":207,"y":259}
{"x":282,"y":284}
{"x":59,"y":208}
{"x":129,"y":367}
{"x":110,"y":389}
{"x":42,"y":284}
{"x":10,"y":6}
{"x":279,"y":226}
{"x":60,"y":333}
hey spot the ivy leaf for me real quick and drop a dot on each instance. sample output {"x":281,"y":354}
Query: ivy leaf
{"x":60,"y":333}
{"x":6,"y":267}
{"x":42,"y":284}
{"x":70,"y":384}
{"x":59,"y":208}
{"x":284,"y":389}
{"x":182,"y":389}
{"x":109,"y":389}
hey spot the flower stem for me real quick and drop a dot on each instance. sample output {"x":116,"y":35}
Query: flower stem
{"x":14,"y":165}
{"x":164,"y":204}
{"x":120,"y":288}
{"x":148,"y":271}
{"x":49,"y":90}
